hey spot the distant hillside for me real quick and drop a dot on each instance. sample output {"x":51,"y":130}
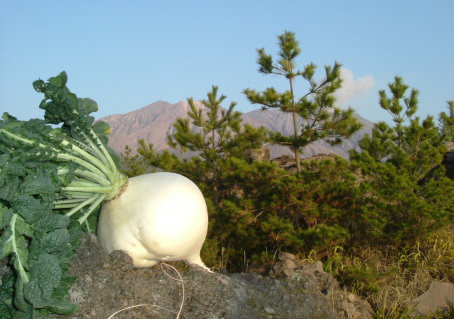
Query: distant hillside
{"x":153,"y":123}
{"x":277,"y":121}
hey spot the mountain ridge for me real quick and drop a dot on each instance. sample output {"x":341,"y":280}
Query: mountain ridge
{"x":153,"y":123}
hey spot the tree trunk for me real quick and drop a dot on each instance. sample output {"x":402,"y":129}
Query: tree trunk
{"x":295,"y":129}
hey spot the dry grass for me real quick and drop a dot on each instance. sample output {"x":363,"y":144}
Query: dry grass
{"x":391,"y":279}
{"x":388,"y":278}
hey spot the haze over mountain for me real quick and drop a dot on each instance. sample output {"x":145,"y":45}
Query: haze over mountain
{"x":153,"y":123}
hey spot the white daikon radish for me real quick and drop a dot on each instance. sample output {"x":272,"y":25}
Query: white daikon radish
{"x":157,"y":217}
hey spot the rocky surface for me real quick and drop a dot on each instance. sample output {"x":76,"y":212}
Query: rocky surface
{"x":345,"y":304}
{"x":107,"y":284}
{"x":438,"y":298}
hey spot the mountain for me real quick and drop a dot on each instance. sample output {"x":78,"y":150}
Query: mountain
{"x":153,"y":123}
{"x":277,"y":121}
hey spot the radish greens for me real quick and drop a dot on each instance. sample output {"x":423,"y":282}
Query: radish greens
{"x":54,"y":175}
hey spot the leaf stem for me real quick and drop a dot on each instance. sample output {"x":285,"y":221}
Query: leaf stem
{"x":81,"y":205}
{"x":92,"y":207}
{"x":88,"y":189}
{"x":20,"y":266}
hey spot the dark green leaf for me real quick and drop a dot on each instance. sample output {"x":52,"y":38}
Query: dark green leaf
{"x":52,"y":242}
{"x":62,"y":308}
{"x":45,"y":276}
{"x":30,"y":208}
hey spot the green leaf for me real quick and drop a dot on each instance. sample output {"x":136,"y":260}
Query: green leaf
{"x":21,"y":255}
{"x":7,"y":289}
{"x":9,"y":186}
{"x":87,"y":105}
{"x":62,"y":308}
{"x":37,"y":162}
{"x":6,"y":311}
{"x":3,"y":212}
{"x":102,"y":129}
{"x":6,"y":245}
{"x":53,"y":242}
{"x":30,"y":208}
{"x":19,"y":300}
{"x":45,"y":276}
{"x":59,"y":80}
{"x":52,"y":222}
{"x":41,"y":182}
{"x":23,"y":228}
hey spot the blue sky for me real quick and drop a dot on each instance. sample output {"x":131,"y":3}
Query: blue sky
{"x":127,"y":54}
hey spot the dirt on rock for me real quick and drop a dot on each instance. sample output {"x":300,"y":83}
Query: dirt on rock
{"x":107,"y":284}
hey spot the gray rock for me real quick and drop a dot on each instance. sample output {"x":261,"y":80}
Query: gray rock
{"x":345,"y":305}
{"x":107,"y":284}
{"x":285,"y":267}
{"x":438,"y":297}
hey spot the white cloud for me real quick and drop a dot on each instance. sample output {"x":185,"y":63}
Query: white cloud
{"x":352,"y":88}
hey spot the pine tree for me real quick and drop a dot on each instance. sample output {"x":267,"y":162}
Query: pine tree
{"x":447,"y":123}
{"x":216,"y":127}
{"x":404,"y":195}
{"x":215,"y":134}
{"x":411,"y":144}
{"x":132,"y":164}
{"x":321,"y":118}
